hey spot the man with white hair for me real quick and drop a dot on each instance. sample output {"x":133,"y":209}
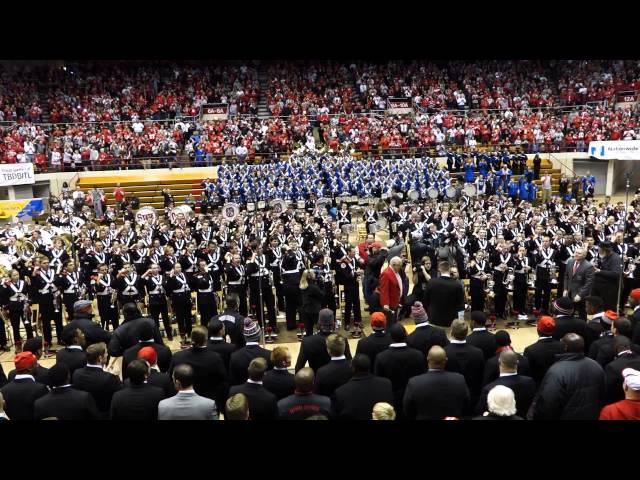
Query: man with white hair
{"x":394,"y":248}
{"x":629,"y":408}
{"x":501,"y":403}
{"x":390,"y":289}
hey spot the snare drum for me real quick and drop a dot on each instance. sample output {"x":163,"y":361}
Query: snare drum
{"x":262,"y":205}
{"x":300,"y":204}
{"x":251,"y":207}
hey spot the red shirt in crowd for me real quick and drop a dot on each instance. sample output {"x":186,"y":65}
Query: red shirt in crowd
{"x":118,"y":194}
{"x":622,"y":410}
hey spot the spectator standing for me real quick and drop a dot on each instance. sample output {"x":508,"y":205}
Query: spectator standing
{"x":629,"y":408}
{"x":118,"y":195}
{"x":573,"y":388}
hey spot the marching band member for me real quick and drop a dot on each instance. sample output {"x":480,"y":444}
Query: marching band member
{"x":235,"y":276}
{"x":260,"y":279}
{"x":129,"y":285}
{"x":291,"y":267}
{"x":204,"y":286}
{"x":69,"y":284}
{"x":178,"y":287}
{"x":14,"y":299}
{"x":545,"y":261}
{"x":102,"y":287}
{"x":48,"y":297}
{"x":479,"y":271}
{"x":350,"y":274}
{"x":154,"y":283}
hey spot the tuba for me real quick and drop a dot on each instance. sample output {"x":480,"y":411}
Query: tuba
{"x":26,"y":247}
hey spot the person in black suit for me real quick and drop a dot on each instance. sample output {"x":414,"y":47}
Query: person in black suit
{"x":93,"y":379}
{"x":217,"y":341}
{"x":146,"y":340}
{"x":40,"y":374}
{"x":338,"y":371}
{"x":240,"y":359}
{"x":280,"y":381}
{"x":263,"y":404}
{"x":444,"y":297}
{"x":303,"y":403}
{"x":156,"y":378}
{"x":491,"y":366}
{"x":565,"y":321}
{"x":355,"y":399}
{"x":465,"y":359}
{"x":524,"y":388}
{"x":65,"y":402}
{"x":128,"y":334}
{"x":82,"y":314}
{"x":139,"y":399}
{"x":210,"y":376}
{"x":436,"y":394}
{"x":314,"y":348}
{"x":625,"y":358}
{"x":602,"y":350}
{"x":233,"y":321}
{"x":606,"y":279}
{"x":542,"y":354}
{"x":3,"y":405}
{"x":399,"y":363}
{"x":378,"y":341}
{"x":481,"y":337}
{"x":425,"y":335}
{"x":21,"y":393}
{"x":73,"y":354}
{"x":593,"y":328}
{"x":312,"y":299}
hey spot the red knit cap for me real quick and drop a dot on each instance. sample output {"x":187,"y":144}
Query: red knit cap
{"x":546,"y":325}
{"x":378,"y":320}
{"x":24,"y":360}
{"x":148,"y":354}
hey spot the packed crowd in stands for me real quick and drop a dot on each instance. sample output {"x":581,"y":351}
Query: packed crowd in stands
{"x":457,"y":105}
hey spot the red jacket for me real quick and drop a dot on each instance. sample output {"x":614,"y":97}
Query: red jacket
{"x":389,"y":288}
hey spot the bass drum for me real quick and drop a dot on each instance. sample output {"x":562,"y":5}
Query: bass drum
{"x":279,"y":206}
{"x":413,"y":195}
{"x":470,"y":190}
{"x":432,"y":192}
{"x":450,"y":192}
{"x":230,"y":211}
{"x":182,"y":210}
